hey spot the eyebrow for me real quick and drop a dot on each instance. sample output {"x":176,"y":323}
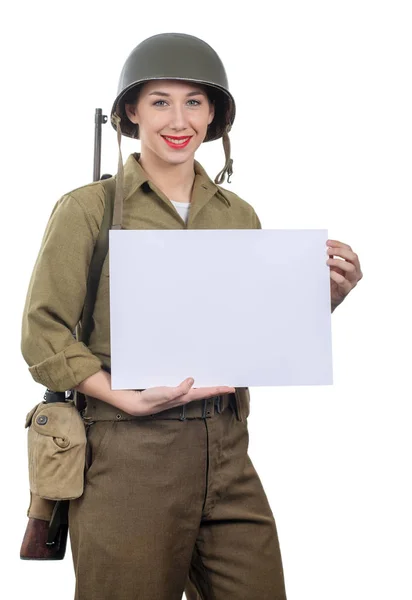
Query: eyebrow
{"x":199,"y":93}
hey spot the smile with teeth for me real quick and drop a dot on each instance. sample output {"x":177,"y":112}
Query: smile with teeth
{"x":177,"y":141}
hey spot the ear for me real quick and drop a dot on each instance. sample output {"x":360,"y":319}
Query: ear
{"x":211,"y":113}
{"x":131,"y":112}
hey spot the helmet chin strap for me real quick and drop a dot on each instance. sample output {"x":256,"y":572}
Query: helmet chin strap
{"x":118,"y":198}
{"x":228,"y":168}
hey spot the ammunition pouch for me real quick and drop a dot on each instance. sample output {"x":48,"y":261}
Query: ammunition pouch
{"x":56,"y":451}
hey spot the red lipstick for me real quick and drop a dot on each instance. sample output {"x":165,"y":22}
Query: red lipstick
{"x":177,"y":142}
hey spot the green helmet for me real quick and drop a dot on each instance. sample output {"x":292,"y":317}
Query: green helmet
{"x":175,"y":56}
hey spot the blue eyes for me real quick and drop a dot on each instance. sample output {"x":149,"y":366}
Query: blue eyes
{"x":162,"y":103}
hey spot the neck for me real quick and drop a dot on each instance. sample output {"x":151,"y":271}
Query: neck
{"x":175,"y":181}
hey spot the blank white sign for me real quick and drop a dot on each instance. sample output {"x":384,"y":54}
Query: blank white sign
{"x":236,"y":307}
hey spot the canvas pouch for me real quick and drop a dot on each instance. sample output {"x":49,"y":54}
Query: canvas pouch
{"x":56,"y":450}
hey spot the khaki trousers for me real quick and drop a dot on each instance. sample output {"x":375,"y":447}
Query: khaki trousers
{"x":172,"y":506}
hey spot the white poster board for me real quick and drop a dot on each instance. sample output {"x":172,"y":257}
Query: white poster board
{"x":236,"y":307}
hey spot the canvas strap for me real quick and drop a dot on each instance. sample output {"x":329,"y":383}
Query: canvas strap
{"x":85,"y":325}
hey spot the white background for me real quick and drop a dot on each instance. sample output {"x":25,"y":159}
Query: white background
{"x":322,"y":139}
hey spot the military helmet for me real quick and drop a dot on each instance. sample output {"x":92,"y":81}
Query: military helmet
{"x":181,"y":57}
{"x":176,"y":56}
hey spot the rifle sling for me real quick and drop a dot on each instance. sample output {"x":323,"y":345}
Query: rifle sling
{"x":85,"y":326}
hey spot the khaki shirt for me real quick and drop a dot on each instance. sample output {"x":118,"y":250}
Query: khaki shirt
{"x":57,"y":286}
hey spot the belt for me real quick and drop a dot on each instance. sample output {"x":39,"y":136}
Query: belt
{"x":97,"y":410}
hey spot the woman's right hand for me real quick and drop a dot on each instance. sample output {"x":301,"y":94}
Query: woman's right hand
{"x":155,"y":399}
{"x":149,"y":401}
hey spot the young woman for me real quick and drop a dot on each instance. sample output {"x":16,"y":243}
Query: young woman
{"x":171,"y":499}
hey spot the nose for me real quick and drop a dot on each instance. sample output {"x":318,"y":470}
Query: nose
{"x":178,"y":119}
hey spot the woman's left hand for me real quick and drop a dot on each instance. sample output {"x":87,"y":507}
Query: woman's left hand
{"x":344,"y":274}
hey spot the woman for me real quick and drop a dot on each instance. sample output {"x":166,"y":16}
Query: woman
{"x":171,"y":497}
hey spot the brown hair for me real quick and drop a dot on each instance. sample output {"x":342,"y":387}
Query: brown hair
{"x":216,"y":97}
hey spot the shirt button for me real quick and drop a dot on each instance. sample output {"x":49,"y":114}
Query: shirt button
{"x":42,"y":419}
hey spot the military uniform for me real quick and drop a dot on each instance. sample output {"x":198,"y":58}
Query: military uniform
{"x":170,"y":499}
{"x":57,"y":288}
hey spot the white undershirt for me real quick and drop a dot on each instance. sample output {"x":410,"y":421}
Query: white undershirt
{"x":182,"y":208}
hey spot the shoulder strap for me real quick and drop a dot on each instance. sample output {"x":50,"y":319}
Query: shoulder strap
{"x":85,"y":327}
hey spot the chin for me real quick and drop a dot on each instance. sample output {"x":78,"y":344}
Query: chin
{"x":174,"y":158}
{"x":179,"y":160}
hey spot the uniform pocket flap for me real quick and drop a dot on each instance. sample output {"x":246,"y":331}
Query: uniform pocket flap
{"x":58,"y":420}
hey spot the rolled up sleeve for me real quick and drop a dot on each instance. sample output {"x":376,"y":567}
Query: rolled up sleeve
{"x":55,"y":298}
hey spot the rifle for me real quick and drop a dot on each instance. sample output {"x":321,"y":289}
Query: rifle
{"x":46,"y":532}
{"x":99,"y":120}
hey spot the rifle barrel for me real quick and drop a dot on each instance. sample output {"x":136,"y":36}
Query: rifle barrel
{"x":99,"y":120}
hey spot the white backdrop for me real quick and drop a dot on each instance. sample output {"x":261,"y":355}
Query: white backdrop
{"x":322,"y":139}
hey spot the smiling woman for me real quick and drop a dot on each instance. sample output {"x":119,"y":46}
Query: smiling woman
{"x":172,"y":117}
{"x":171,"y":500}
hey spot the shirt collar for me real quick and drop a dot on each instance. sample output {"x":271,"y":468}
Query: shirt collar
{"x":135,"y":177}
